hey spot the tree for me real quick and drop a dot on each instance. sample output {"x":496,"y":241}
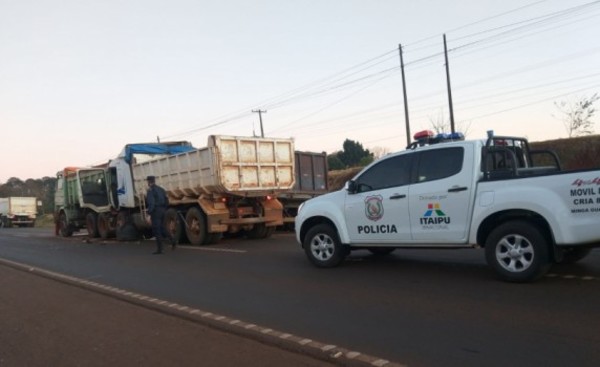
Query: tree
{"x":439,"y":124}
{"x":334,"y":163}
{"x":42,"y":189}
{"x":379,"y":152}
{"x":353,"y":153}
{"x":577,"y":115}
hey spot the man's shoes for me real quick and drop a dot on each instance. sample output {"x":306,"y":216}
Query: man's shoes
{"x":157,"y":253}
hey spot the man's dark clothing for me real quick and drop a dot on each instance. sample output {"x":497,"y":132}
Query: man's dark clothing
{"x":157,"y":206}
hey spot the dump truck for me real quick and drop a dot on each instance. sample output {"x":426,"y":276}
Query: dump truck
{"x":228,"y":187}
{"x":81,"y":195}
{"x":18,"y":211}
{"x":311,"y":181}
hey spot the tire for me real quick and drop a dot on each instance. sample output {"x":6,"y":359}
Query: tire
{"x":381,"y":251}
{"x":91,"y":224}
{"x":196,"y":227}
{"x":125,"y":229}
{"x":104,"y":227}
{"x":64,"y":229}
{"x":323,"y":247}
{"x":518,"y":251}
{"x":174,"y":226}
{"x":213,"y":238}
{"x":260,"y":231}
{"x":572,"y":255}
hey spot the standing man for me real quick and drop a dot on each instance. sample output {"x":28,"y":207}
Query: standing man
{"x":157,"y":205}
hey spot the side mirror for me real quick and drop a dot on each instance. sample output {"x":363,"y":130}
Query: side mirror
{"x":350,"y":186}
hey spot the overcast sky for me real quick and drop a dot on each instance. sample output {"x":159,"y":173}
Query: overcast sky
{"x":79,"y":79}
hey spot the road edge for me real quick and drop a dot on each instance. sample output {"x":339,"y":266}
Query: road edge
{"x":293,"y":343}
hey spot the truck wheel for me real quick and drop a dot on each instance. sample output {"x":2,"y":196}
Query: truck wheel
{"x":196,"y":227}
{"x":125,"y":228}
{"x":104,"y":228}
{"x":64,"y":228}
{"x":260,"y":231}
{"x":213,"y":238}
{"x":572,"y":255}
{"x":91,"y":224}
{"x":174,"y":225}
{"x":323,"y":247}
{"x":517,"y":251}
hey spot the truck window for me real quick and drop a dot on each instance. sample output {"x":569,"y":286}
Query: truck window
{"x":390,"y":172}
{"x":439,"y":163}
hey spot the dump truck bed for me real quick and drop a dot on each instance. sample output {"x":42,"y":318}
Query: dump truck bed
{"x":245,"y":166}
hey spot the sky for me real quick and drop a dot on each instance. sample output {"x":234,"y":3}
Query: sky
{"x":79,"y":79}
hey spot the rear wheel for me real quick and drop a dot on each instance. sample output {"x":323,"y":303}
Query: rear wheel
{"x":196,"y":227}
{"x":213,"y":238}
{"x":125,"y":229}
{"x":260,"y":231}
{"x":323,"y":247}
{"x":517,"y":251}
{"x":91,"y":224}
{"x":174,"y":226}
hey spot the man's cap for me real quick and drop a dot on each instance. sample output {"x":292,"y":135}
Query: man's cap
{"x":151,"y":178}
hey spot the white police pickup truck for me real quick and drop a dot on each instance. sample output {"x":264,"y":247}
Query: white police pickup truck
{"x":445,"y":192}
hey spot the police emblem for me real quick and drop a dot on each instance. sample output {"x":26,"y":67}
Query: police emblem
{"x":374,"y":207}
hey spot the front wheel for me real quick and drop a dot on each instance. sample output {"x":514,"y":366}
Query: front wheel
{"x":64,"y":228}
{"x":323,"y":247}
{"x":517,"y":251}
{"x":105,"y":230}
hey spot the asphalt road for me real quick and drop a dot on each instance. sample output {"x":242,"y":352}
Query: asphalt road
{"x":44,"y":322}
{"x":420,"y":308}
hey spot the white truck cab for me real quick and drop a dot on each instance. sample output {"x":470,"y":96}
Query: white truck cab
{"x":445,"y":192}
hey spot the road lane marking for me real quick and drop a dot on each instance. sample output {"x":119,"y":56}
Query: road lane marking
{"x":326,"y":352}
{"x":213,"y":249}
{"x":571,"y":276}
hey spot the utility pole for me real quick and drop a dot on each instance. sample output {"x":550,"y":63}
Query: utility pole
{"x":405,"y":98}
{"x":260,"y":112}
{"x":449,"y":89}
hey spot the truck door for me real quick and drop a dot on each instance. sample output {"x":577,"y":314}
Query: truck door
{"x":440,"y":195}
{"x":378,"y":210}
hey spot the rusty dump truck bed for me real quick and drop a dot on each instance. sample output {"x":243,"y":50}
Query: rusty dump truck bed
{"x":245,"y":166}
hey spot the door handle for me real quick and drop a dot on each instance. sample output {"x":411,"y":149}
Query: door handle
{"x":397,"y":196}
{"x":457,"y":189}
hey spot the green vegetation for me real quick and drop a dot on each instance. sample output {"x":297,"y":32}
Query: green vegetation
{"x":42,"y":189}
{"x":352,"y":155}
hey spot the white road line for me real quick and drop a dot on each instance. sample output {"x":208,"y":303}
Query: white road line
{"x":213,"y":249}
{"x":571,"y":276}
{"x":326,"y":350}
